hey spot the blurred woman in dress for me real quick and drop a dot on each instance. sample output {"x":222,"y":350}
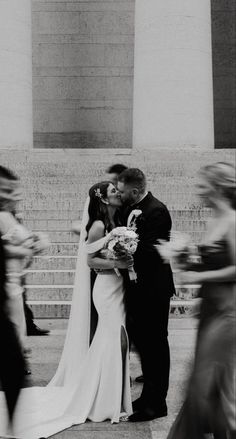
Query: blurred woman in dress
{"x":209,"y":409}
{"x":20,"y":245}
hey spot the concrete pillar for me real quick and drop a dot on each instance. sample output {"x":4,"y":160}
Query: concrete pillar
{"x":173,"y":92}
{"x":16,"y":129}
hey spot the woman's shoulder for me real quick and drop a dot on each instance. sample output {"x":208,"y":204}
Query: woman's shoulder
{"x":98,"y":225}
{"x":96,"y":231}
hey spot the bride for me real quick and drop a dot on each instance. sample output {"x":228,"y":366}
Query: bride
{"x":92,"y":381}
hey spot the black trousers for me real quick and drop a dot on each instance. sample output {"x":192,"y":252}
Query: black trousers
{"x":12,"y":364}
{"x":148,"y":329}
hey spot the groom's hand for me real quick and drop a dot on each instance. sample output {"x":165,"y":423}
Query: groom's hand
{"x":125,"y":262}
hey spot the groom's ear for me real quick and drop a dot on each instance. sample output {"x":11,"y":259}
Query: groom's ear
{"x":135,"y":191}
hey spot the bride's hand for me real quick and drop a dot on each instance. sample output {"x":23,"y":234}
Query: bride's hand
{"x":126,"y":262}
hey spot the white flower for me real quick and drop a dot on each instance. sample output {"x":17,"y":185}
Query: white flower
{"x":111,"y":244}
{"x":131,"y":247}
{"x":119,"y":231}
{"x":131,"y":234}
{"x":136,"y":212}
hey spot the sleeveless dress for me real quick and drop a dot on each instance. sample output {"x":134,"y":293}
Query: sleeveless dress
{"x":102,"y":389}
{"x":210,"y":404}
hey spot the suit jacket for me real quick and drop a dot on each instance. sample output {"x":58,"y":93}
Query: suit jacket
{"x":154,"y":276}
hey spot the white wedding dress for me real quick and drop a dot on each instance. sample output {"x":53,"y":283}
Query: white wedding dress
{"x":91,"y":382}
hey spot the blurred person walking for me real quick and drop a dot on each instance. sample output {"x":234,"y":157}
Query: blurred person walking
{"x":19,"y":245}
{"x":12,"y":365}
{"x":209,"y":409}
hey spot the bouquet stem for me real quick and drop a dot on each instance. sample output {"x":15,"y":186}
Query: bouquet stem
{"x":117,"y":272}
{"x":132,"y":274}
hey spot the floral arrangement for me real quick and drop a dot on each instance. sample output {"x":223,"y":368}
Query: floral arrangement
{"x":179,"y":251}
{"x":122,"y":242}
{"x":19,"y":235}
{"x":132,"y":218}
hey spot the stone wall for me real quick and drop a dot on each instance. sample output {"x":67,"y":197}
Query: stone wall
{"x":83,"y":73}
{"x":224,"y":71}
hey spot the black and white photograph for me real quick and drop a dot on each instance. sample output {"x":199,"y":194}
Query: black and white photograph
{"x":118,"y":219}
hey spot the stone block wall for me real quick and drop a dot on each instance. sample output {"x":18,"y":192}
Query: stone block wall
{"x":224,"y":71}
{"x":83,"y":73}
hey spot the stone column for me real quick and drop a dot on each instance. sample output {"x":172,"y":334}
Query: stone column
{"x":16,"y":129}
{"x":173,"y":92}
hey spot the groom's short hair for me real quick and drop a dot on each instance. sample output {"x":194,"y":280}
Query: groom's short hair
{"x":117,"y":168}
{"x":133,"y":177}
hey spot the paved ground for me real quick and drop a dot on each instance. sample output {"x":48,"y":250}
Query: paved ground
{"x":46,"y":353}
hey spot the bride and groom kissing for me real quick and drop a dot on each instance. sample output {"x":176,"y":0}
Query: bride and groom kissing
{"x":92,"y":381}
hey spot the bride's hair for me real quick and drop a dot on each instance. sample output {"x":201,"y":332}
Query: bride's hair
{"x":222,"y":177}
{"x":97,"y":208}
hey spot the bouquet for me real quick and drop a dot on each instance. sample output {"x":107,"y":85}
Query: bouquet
{"x":19,"y":235}
{"x":122,"y":241}
{"x":179,"y":251}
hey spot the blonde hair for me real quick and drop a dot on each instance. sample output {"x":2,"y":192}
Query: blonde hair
{"x":222,"y":177}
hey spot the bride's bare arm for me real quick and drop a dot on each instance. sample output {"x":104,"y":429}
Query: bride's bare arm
{"x":94,"y":260}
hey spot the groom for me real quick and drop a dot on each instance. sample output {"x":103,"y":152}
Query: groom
{"x":148,"y":299}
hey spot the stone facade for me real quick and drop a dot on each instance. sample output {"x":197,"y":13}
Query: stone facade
{"x":224,"y":72}
{"x":173,"y":90}
{"x":83,"y":73}
{"x":15,"y":75}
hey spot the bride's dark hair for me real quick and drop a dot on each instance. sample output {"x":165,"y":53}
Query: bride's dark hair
{"x":97,"y":208}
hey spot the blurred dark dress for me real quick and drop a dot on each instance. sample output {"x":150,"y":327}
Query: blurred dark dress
{"x":210,"y":404}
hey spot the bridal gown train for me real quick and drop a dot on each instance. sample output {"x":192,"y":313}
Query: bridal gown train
{"x":103,"y":388}
{"x":92,"y":381}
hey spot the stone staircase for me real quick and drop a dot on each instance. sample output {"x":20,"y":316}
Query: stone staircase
{"x":56,"y":184}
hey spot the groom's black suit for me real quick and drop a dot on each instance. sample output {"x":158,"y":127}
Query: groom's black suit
{"x":148,"y":301}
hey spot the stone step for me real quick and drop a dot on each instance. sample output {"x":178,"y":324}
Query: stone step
{"x":47,"y":214}
{"x":54,"y":292}
{"x":63,"y":249}
{"x":57,"y":277}
{"x":74,"y":214}
{"x":50,"y":277}
{"x":66,"y":224}
{"x":172,"y":198}
{"x":54,"y":175}
{"x":63,"y":237}
{"x":161,"y":162}
{"x":60,"y":236}
{"x":61,"y":309}
{"x":53,"y":262}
